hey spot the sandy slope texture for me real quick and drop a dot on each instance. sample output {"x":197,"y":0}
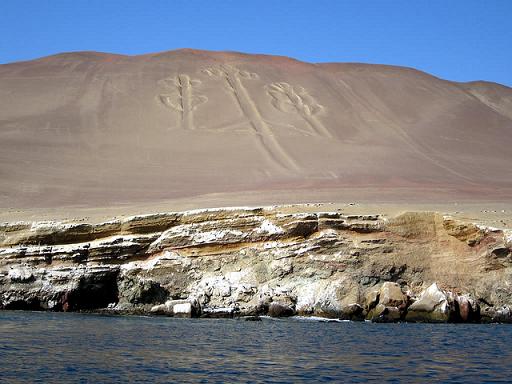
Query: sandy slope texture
{"x":94,"y":130}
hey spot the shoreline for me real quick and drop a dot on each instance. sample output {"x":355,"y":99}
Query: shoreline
{"x":297,"y":318}
{"x":315,"y":259}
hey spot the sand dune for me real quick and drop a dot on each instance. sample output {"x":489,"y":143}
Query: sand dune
{"x":92,"y":129}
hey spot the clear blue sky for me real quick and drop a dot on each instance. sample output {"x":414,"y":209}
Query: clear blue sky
{"x":454,"y":39}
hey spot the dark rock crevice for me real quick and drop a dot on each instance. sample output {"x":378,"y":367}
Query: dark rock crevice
{"x":92,"y":292}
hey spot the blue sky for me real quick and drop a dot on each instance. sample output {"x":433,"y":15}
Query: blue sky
{"x":455,"y":39}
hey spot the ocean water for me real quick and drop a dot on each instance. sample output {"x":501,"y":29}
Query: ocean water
{"x":87,"y":348}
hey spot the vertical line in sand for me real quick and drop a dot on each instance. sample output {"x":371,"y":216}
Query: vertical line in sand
{"x":266,"y":137}
{"x":317,"y":126}
{"x":186,"y":101}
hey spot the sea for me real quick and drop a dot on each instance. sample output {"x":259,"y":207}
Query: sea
{"x":43,"y":347}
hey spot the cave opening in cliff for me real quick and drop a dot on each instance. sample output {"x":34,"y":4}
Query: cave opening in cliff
{"x":92,"y":292}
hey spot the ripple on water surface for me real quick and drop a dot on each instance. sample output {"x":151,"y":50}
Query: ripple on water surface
{"x":60,"y":347}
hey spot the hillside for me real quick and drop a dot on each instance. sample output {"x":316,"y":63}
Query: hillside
{"x":92,"y":129}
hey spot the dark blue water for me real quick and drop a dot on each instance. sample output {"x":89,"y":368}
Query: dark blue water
{"x":60,"y":347}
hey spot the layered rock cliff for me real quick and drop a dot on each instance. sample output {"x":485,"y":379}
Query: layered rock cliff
{"x":418,"y":266}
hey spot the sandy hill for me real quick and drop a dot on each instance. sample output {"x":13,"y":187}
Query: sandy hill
{"x":94,"y":129}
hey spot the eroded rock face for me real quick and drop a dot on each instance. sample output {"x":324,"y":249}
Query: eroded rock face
{"x":253,"y":261}
{"x":388,"y":304}
{"x":433,"y":305}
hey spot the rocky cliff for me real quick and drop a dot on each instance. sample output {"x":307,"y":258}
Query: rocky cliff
{"x":418,"y":266}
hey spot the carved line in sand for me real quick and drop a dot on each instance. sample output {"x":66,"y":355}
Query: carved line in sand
{"x":421,"y":149}
{"x":233,"y":79}
{"x":183,"y":98}
{"x":289,"y":99}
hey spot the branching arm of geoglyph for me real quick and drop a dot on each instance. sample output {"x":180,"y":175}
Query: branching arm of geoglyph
{"x":289,"y":99}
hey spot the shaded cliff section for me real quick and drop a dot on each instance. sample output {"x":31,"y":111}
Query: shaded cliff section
{"x":419,"y":266}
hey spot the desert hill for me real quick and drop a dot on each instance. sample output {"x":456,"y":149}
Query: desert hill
{"x":93,"y":129}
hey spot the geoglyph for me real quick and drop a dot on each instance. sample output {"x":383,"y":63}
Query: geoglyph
{"x":232,"y":77}
{"x":182,"y":99}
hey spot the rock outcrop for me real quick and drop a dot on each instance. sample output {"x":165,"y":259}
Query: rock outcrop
{"x":433,"y":305}
{"x":388,"y":304}
{"x":255,"y":261}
